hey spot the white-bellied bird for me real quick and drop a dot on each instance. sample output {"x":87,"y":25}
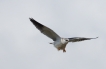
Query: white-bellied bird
{"x":59,"y":42}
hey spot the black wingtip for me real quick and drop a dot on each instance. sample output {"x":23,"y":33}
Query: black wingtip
{"x":37,"y":24}
{"x":31,"y":19}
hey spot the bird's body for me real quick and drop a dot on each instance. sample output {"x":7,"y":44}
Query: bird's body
{"x":59,"y":43}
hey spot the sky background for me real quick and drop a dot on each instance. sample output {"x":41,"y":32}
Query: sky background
{"x":22,"y":46}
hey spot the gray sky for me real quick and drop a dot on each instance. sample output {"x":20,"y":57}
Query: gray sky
{"x":22,"y":46}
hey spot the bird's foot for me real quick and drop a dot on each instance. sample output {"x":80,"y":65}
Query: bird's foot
{"x":58,"y":49}
{"x":64,"y":50}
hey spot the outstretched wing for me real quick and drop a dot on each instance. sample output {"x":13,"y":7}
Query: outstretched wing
{"x":45,"y":30}
{"x":76,"y":39}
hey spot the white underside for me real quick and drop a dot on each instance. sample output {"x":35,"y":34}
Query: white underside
{"x":59,"y":44}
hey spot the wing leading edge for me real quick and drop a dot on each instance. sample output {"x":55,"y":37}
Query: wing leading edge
{"x":45,"y":30}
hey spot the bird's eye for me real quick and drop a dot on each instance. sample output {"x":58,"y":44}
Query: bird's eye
{"x":66,"y":40}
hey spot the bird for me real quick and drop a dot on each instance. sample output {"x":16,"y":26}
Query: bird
{"x":58,"y":42}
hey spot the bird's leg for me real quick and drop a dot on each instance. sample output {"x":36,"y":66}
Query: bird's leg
{"x":58,"y":48}
{"x":64,"y":50}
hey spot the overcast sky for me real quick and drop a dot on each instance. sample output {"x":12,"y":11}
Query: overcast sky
{"x":22,"y":46}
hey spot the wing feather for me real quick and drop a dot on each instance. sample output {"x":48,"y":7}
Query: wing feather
{"x":76,"y":39}
{"x":45,"y":30}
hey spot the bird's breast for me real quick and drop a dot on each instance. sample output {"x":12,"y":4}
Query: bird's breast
{"x":59,"y":44}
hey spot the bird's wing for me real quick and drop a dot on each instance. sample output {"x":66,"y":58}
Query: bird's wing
{"x":45,"y":30}
{"x":76,"y":39}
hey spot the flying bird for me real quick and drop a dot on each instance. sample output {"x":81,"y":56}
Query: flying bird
{"x":59,"y":42}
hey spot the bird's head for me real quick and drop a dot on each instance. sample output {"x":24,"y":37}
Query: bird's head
{"x":64,"y":40}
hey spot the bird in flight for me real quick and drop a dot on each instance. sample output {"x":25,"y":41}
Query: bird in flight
{"x":59,"y":42}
